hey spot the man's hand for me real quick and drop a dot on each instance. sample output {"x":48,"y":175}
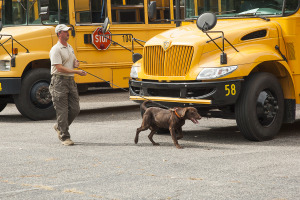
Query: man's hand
{"x":76,"y":64}
{"x":81,"y":72}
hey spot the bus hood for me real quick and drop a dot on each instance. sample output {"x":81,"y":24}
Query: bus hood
{"x":236,"y":31}
{"x":34,"y":38}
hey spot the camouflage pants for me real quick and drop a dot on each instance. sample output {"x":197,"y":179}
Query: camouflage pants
{"x":66,"y":102}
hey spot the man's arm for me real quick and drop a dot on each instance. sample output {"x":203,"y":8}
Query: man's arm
{"x":63,"y":69}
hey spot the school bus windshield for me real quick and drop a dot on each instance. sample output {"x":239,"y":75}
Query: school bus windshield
{"x":26,"y":12}
{"x":240,"y":8}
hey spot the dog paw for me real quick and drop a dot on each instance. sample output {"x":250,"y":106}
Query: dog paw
{"x":136,"y":140}
{"x":179,"y":147}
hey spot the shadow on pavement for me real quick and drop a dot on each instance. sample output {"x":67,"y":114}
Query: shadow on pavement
{"x":288,"y":136}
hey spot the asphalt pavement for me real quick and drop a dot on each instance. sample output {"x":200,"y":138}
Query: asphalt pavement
{"x":216,"y":162}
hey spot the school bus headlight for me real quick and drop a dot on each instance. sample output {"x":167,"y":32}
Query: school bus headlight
{"x":135,"y":70}
{"x":215,"y":72}
{"x":4,"y":65}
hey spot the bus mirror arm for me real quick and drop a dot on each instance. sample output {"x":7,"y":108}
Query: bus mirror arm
{"x":114,"y":42}
{"x":137,"y":56}
{"x":205,"y":23}
{"x":223,"y":56}
{"x":126,"y":38}
{"x":12,"y":45}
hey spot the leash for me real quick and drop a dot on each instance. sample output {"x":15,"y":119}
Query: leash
{"x":122,"y":88}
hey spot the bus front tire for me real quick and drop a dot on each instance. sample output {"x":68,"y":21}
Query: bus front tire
{"x":260,"y":108}
{"x":34,"y":100}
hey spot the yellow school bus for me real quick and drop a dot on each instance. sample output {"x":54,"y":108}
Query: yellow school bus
{"x":239,"y":60}
{"x":25,"y":42}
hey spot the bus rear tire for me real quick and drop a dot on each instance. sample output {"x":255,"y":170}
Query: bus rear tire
{"x":34,"y":100}
{"x":260,"y":108}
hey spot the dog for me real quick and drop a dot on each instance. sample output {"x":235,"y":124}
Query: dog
{"x":172,"y":119}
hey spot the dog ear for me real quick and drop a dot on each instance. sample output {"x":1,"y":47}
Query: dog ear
{"x":181,"y":111}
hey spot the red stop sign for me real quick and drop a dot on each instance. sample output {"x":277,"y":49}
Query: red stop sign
{"x":100,"y":42}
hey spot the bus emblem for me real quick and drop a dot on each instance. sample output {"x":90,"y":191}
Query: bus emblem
{"x":166,"y":45}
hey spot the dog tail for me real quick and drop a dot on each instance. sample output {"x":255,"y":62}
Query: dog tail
{"x":144,"y":105}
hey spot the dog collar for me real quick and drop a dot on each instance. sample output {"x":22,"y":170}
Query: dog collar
{"x":177,"y":114}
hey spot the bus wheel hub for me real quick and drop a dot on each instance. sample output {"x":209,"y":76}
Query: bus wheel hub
{"x":267,"y":108}
{"x":40,"y":95}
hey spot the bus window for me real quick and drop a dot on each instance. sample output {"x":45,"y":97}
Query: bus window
{"x":235,"y":8}
{"x":190,"y":8}
{"x":64,"y":12}
{"x":33,"y":12}
{"x":90,"y":11}
{"x":253,"y":4}
{"x":54,"y":12}
{"x":163,"y":11}
{"x":291,"y":6}
{"x":128,"y":11}
{"x":204,"y":6}
{"x":98,"y":11}
{"x":14,"y":12}
{"x":182,"y":2}
{"x":82,"y":11}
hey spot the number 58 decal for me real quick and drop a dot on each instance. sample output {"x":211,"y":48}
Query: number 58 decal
{"x":230,"y":89}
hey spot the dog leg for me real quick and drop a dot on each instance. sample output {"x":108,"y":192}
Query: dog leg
{"x":180,"y":135}
{"x":145,"y":125}
{"x":138,"y":130}
{"x":136,"y":139}
{"x":172,"y":131}
{"x":150,"y":136}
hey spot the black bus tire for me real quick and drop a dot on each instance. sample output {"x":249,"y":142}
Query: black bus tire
{"x":34,"y":100}
{"x":260,"y":107}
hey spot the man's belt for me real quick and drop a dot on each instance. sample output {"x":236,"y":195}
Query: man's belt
{"x":62,"y":76}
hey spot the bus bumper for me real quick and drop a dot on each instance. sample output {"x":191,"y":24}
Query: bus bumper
{"x":197,"y":94}
{"x":10,"y":86}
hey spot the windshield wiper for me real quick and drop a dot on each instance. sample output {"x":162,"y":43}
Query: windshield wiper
{"x":252,"y":14}
{"x":226,"y":11}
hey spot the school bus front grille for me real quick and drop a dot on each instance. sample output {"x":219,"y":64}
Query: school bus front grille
{"x":175,"y":61}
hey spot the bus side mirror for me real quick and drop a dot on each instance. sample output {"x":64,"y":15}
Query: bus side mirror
{"x":44,"y":13}
{"x":106,"y":26}
{"x":152,"y":11}
{"x":206,"y":21}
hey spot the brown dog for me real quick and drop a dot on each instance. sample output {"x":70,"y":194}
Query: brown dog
{"x":172,"y":119}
